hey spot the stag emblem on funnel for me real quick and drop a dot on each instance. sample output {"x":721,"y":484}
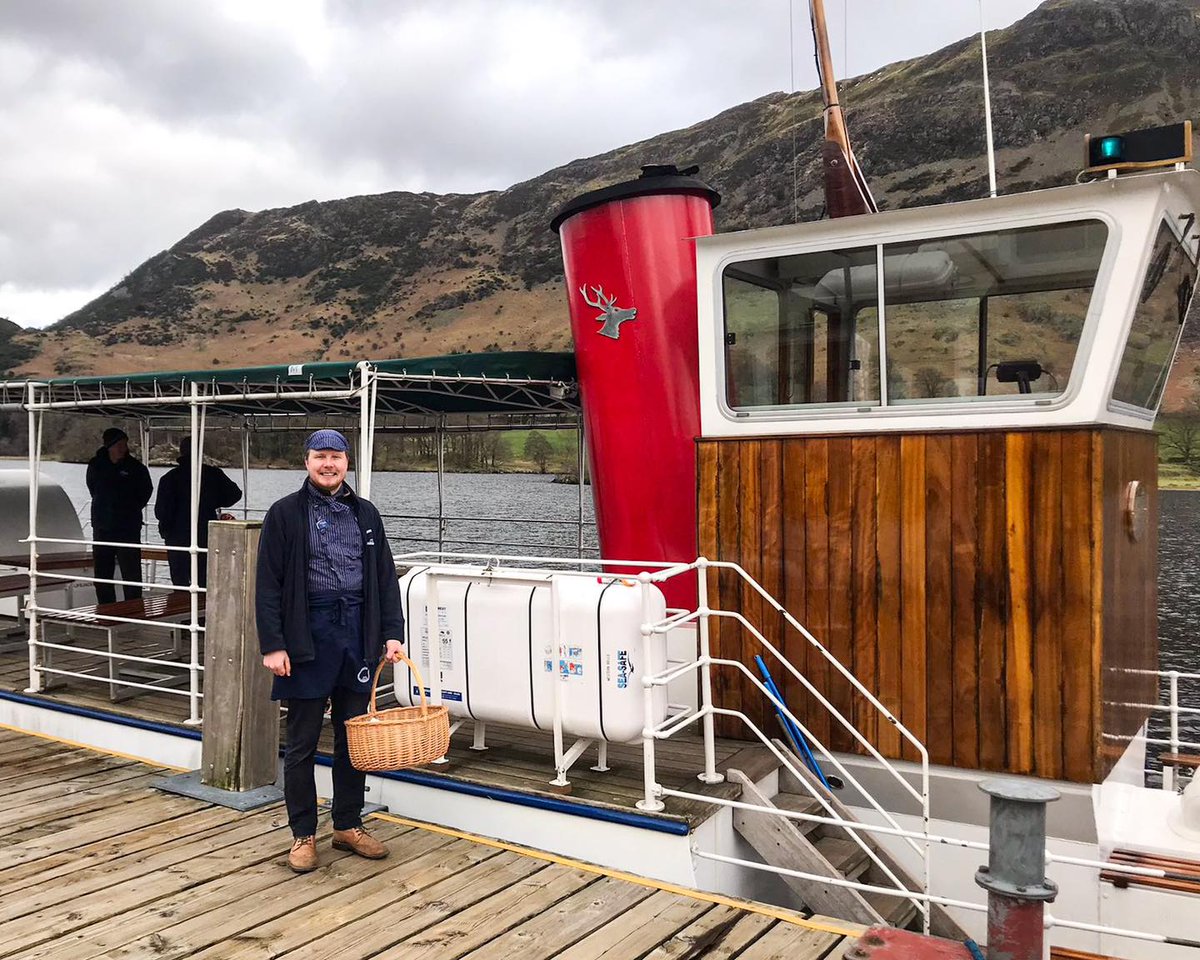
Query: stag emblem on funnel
{"x":611,"y":316}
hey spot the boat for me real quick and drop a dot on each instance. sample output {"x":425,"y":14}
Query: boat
{"x":907,"y":458}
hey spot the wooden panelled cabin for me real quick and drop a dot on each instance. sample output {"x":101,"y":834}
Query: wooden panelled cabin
{"x":929,"y":433}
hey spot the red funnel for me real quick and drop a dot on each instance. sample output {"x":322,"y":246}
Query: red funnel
{"x":631,"y":285}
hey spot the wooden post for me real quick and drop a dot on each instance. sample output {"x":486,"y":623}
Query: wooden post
{"x":240,"y":749}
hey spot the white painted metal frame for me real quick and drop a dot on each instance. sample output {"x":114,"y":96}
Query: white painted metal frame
{"x":1131,"y":207}
{"x":196,"y":399}
{"x":706,"y":712}
{"x":1172,"y":707}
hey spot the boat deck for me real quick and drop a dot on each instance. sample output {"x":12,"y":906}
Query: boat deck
{"x":517,"y":759}
{"x":97,"y":863}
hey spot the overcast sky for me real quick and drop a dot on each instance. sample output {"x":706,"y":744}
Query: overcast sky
{"x":127,"y":123}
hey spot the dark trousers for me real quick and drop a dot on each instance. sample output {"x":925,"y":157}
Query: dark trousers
{"x":181,"y":567}
{"x":105,"y":560}
{"x":304,"y":721}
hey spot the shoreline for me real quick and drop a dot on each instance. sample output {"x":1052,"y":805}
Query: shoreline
{"x":498,"y":471}
{"x":1174,"y":484}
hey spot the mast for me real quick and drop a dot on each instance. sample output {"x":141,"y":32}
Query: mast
{"x":846,"y":190}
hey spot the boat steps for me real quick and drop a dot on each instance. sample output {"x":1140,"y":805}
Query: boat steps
{"x":829,"y":850}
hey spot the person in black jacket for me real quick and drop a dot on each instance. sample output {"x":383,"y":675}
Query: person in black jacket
{"x":173,"y":508}
{"x":120,"y":487}
{"x":327,"y":607}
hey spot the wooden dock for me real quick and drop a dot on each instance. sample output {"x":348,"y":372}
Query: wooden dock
{"x":94,"y":862}
{"x":517,"y":759}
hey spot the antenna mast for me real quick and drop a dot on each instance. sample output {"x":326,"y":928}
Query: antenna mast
{"x":846,"y":190}
{"x":987,"y":103}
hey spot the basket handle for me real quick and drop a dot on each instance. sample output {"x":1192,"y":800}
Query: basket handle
{"x":412,"y":666}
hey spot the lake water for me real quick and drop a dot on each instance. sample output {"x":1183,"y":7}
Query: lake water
{"x":516,"y":503}
{"x":525,"y":513}
{"x":1179,"y":600}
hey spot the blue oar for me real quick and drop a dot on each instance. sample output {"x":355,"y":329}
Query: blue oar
{"x":799,"y":744}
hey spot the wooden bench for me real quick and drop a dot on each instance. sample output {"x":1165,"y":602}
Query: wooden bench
{"x":15,"y":582}
{"x":1184,"y":874}
{"x":1181,"y":761}
{"x":174,"y":608}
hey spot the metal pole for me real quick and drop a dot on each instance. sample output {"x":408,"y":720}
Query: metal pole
{"x":580,"y":464}
{"x":987,"y":104}
{"x":35,"y":437}
{"x":1169,"y":771}
{"x":145,"y":438}
{"x":433,"y":634}
{"x":1015,"y":877}
{"x":433,"y":643}
{"x":652,"y":800}
{"x":557,"y":672}
{"x":710,"y":774}
{"x":144,"y":443}
{"x":245,"y":469}
{"x":441,"y":469}
{"x":193,"y":565}
{"x":362,"y":469}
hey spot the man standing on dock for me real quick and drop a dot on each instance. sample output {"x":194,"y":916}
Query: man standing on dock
{"x":327,"y":608}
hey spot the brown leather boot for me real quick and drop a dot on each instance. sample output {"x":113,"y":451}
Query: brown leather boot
{"x":359,"y":841}
{"x":303,"y":858}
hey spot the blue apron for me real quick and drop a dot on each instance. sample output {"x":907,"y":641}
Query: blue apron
{"x":336,"y":622}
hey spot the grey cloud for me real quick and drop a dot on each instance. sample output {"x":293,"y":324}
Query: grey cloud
{"x":175,"y":60}
{"x":129,"y":123}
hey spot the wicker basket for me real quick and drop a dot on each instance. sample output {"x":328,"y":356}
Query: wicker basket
{"x":400,"y":737}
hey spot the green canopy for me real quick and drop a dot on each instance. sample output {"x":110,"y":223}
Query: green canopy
{"x":518,"y":382}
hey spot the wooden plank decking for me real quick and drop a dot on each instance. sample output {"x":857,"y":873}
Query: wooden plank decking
{"x":516,"y":759}
{"x":95,"y":863}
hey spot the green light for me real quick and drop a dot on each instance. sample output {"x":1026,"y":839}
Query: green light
{"x":1111,"y":148}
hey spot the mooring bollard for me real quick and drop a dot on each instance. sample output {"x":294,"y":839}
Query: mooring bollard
{"x":1015,"y":877}
{"x":240,"y":749}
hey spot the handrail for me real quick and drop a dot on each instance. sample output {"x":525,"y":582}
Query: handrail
{"x":704,"y":663}
{"x":1175,"y":741}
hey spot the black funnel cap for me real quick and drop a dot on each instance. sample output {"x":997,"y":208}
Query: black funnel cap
{"x":656,"y":179}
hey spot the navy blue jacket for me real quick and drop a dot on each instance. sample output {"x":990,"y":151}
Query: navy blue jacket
{"x":173,"y":505}
{"x":281,"y":601}
{"x":119,"y":491}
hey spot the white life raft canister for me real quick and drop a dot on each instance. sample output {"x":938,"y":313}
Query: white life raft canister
{"x":497,"y":657}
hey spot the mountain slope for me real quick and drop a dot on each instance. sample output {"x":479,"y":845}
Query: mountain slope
{"x":409,"y":274}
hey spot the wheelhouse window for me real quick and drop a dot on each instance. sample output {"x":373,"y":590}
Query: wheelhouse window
{"x":988,"y":315}
{"x":978,"y":317}
{"x":802,"y":329}
{"x":1161,"y":309}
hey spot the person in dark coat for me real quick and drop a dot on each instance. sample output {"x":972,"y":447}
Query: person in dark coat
{"x":327,"y":606}
{"x":173,"y":509}
{"x":120,"y":487}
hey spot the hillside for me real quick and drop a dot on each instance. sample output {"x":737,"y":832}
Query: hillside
{"x":409,"y":274}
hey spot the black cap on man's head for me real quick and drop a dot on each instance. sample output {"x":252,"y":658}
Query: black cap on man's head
{"x":113,"y":436}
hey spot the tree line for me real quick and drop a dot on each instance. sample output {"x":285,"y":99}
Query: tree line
{"x":76,"y":439}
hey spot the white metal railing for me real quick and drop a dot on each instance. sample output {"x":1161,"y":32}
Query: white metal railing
{"x":707,"y":711}
{"x":1175,"y":740}
{"x":166,"y":663}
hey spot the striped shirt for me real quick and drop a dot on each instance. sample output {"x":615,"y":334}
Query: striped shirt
{"x":335,"y":545}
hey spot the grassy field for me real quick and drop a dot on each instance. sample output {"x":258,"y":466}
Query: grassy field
{"x":1174,"y":476}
